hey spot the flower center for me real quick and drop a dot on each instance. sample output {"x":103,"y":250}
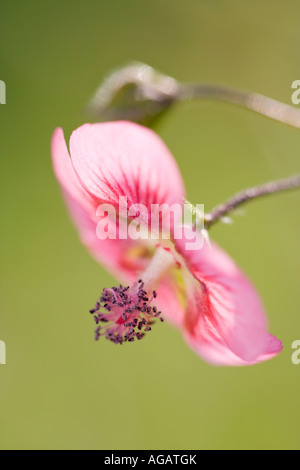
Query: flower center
{"x":125,"y":314}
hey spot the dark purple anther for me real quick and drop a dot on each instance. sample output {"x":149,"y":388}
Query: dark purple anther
{"x":125,"y":313}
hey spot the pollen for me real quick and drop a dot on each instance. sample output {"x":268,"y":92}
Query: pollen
{"x":125,"y":313}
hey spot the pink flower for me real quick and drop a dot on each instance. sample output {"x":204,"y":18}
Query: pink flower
{"x":202,"y":291}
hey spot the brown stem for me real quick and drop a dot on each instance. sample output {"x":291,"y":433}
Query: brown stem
{"x":139,"y":93}
{"x":269,"y":107}
{"x":248,"y":195}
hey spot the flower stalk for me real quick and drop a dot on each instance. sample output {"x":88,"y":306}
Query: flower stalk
{"x":256,"y":102}
{"x":249,"y":194}
{"x":139,"y":93}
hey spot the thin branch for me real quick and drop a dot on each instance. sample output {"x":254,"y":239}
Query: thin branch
{"x":248,"y":195}
{"x":269,"y":107}
{"x":139,"y":93}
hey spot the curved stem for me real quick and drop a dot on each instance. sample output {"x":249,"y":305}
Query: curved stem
{"x":269,"y":107}
{"x":139,"y":93}
{"x":248,"y":195}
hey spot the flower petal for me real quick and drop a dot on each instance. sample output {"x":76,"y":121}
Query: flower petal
{"x":112,"y":254}
{"x":171,"y":300}
{"x":218,"y":354}
{"x":116,"y":159}
{"x":225,"y":320}
{"x":123,"y":258}
{"x":64,"y":172}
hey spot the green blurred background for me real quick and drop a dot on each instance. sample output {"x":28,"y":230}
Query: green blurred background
{"x":61,"y":390}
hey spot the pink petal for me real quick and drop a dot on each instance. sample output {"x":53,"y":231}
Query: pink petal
{"x":169,"y":301}
{"x":225,"y":320}
{"x":218,"y":353}
{"x":116,"y":159}
{"x":64,"y":172}
{"x":113,"y":254}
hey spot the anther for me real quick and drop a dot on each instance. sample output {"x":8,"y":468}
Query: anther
{"x":124,"y":313}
